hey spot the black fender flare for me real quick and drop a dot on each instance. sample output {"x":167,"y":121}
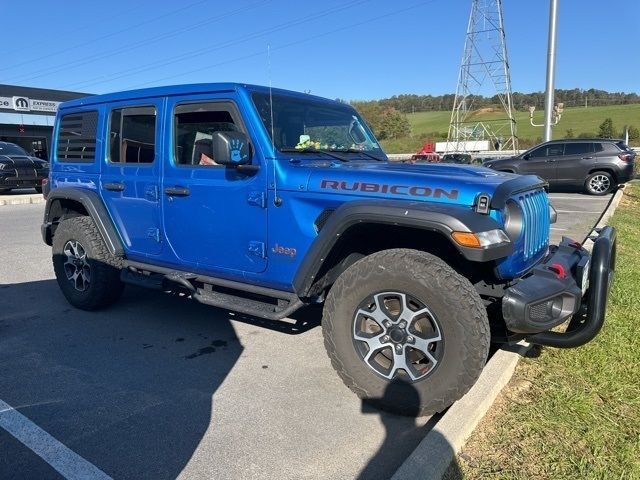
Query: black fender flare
{"x":94,"y":207}
{"x":438,"y":217}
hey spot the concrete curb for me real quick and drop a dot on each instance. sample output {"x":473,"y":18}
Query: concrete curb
{"x":606,"y":216}
{"x":21,"y":199}
{"x":432,"y":457}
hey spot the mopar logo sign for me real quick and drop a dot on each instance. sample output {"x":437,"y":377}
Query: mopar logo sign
{"x":26,"y":104}
{"x":21,"y":103}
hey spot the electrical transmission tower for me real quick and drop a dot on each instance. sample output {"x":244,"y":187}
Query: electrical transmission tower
{"x":484,"y":71}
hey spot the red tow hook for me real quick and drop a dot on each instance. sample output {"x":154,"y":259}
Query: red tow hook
{"x":558,"y":269}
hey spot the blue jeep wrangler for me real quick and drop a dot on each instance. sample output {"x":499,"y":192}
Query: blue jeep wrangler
{"x":263,"y":201}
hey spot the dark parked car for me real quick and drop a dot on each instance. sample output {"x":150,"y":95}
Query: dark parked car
{"x":595,"y":165}
{"x":459,"y":158}
{"x":18,"y":169}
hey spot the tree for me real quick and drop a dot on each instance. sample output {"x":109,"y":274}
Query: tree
{"x":634,"y":133}
{"x":386,"y":122}
{"x":606,"y":129}
{"x":394,"y":124}
{"x":570,"y":134}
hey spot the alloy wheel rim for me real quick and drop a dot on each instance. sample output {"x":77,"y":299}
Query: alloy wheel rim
{"x":76,"y":266}
{"x":599,"y":183}
{"x":397,"y":336}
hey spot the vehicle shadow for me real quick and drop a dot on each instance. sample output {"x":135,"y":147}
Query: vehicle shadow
{"x":130,"y":388}
{"x":397,"y":427}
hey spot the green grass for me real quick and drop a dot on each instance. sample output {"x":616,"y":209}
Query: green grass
{"x":574,"y":414}
{"x":580,"y":119}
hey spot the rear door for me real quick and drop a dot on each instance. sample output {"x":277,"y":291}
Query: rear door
{"x":131,"y":175}
{"x":573,"y":166}
{"x":542,"y":162}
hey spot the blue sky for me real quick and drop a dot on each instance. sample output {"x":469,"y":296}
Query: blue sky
{"x":351,"y":49}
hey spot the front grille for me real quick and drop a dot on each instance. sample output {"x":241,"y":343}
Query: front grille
{"x":535,"y":216}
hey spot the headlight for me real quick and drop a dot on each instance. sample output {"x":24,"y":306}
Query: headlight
{"x":513,"y":220}
{"x":480,"y":239}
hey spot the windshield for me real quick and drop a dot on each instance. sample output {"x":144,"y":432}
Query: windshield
{"x":310,"y":125}
{"x":11,"y":149}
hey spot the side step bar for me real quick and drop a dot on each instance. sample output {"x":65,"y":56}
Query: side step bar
{"x":217,"y":292}
{"x":246,"y":305}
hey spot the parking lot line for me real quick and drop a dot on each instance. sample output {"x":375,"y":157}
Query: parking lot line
{"x":580,"y":198}
{"x":68,"y":463}
{"x":576,"y":211}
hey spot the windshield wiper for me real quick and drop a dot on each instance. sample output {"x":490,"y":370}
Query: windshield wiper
{"x":314,"y":150}
{"x":355,"y":150}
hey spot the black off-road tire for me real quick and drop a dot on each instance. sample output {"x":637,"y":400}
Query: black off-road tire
{"x":105,"y":286}
{"x":458,"y":308}
{"x":599,"y":183}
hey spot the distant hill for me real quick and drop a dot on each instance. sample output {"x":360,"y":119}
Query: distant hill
{"x":433,"y":126}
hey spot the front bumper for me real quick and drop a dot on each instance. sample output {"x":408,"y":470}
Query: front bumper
{"x":11,"y":178}
{"x":569,"y":283}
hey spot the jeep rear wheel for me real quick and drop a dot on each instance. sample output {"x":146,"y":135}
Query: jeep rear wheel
{"x":85,"y":270}
{"x":405,"y":332}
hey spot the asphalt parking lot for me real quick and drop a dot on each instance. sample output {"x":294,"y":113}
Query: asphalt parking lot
{"x":161,"y":387}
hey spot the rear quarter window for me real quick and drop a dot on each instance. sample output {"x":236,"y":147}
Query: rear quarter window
{"x":76,"y":141}
{"x":607,"y":148}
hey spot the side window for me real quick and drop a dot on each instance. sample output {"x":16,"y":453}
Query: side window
{"x":598,"y":147}
{"x":132,"y":135}
{"x":578,"y":148}
{"x":555,"y":150}
{"x":194,"y":125}
{"x":77,"y":137}
{"x":538,"y":152}
{"x":547,"y":151}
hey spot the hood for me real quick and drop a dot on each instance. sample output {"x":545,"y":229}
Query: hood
{"x":500,"y":161}
{"x":18,"y":161}
{"x":447,"y":183}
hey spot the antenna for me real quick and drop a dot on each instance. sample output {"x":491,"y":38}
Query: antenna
{"x":277,"y":201}
{"x":484,"y":70}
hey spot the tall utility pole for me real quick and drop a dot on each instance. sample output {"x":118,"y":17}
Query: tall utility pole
{"x":484,"y":70}
{"x":551,"y":71}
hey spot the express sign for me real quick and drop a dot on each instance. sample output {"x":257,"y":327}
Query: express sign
{"x":25,"y":104}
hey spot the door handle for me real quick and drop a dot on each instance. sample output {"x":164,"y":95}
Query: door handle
{"x":549,"y":161}
{"x":114,"y":187}
{"x":587,"y":158}
{"x":177,"y":191}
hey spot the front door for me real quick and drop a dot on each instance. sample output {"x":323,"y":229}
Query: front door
{"x":215,"y":217}
{"x":130,"y":177}
{"x":542,"y":162}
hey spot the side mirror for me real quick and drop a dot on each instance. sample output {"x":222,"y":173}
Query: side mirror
{"x":526,"y":157}
{"x":231,"y":148}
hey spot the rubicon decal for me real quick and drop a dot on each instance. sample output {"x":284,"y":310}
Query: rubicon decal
{"x":408,"y":190}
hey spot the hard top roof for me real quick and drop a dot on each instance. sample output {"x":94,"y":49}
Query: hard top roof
{"x":187,"y":89}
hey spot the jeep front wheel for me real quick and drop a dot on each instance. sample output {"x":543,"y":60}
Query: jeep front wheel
{"x":405,"y":332}
{"x":85,"y":270}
